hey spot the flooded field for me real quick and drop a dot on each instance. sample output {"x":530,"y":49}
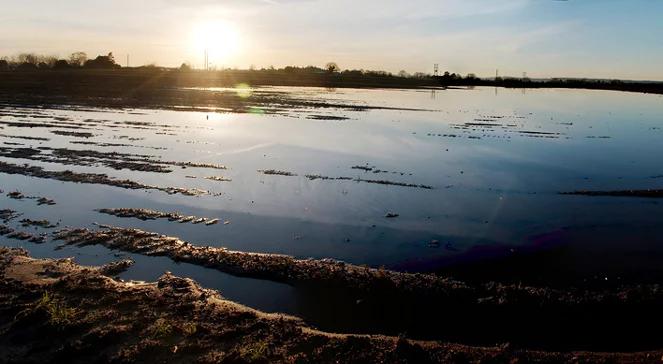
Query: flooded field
{"x":554,"y":188}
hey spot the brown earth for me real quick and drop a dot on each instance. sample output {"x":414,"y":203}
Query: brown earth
{"x":58,"y":311}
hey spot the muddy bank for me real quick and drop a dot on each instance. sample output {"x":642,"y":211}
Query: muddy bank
{"x":652,"y":193}
{"x":24,"y":137}
{"x":146,"y":214}
{"x":17,"y":195}
{"x":11,"y":233}
{"x":87,"y":158}
{"x":275,"y":172}
{"x":219,"y":179}
{"x":44,"y":224}
{"x":91,"y":178}
{"x":55,"y":310}
{"x":426,"y":306}
{"x":8,"y":214}
{"x":102,"y":144}
{"x":74,"y":134}
{"x":162,"y":90}
{"x":287,"y":269}
{"x":267,"y":266}
{"x":313,"y":177}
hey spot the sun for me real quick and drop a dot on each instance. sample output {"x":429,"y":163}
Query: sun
{"x":219,"y":39}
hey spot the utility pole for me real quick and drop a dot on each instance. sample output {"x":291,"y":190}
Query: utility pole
{"x":497,"y":74}
{"x":436,"y":69}
{"x":127,"y":60}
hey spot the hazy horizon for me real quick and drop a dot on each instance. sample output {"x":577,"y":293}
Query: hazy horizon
{"x":596,"y":39}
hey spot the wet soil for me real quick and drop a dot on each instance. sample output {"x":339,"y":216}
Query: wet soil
{"x":274,"y":172}
{"x":428,"y":306}
{"x":155,"y":90}
{"x":146,"y":214}
{"x":114,"y":160}
{"x":45,"y":224}
{"x":17,"y":195}
{"x":313,"y":177}
{"x":651,"y":193}
{"x":57,"y":311}
{"x":8,"y":214}
{"x":92,"y":178}
{"x":11,"y":233}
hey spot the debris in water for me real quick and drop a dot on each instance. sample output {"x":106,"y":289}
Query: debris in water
{"x":147,"y":214}
{"x":276,"y":172}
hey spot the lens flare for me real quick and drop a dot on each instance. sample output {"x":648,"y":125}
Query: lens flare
{"x":243,"y":90}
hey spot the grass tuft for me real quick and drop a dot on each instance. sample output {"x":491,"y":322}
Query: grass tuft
{"x":161,"y":328}
{"x":59,"y":315}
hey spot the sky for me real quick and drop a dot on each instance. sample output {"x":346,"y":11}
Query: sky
{"x":545,"y":38}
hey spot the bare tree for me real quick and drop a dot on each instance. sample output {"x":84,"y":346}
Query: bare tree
{"x":77,"y":59}
{"x":332,"y":67}
{"x":30,"y":58}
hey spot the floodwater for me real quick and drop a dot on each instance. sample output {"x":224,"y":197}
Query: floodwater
{"x":473,"y":175}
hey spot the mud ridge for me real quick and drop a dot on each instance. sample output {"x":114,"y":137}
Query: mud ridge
{"x":22,"y":235}
{"x":146,"y":214}
{"x":114,"y":160}
{"x":653,"y":193}
{"x":287,"y":269}
{"x":57,"y":311}
{"x":445,"y":309}
{"x":92,"y":178}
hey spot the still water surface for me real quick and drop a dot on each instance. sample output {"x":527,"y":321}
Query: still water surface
{"x":495,"y":160}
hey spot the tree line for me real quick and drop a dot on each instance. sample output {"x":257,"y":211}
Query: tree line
{"x":33,"y":61}
{"x":80,"y":60}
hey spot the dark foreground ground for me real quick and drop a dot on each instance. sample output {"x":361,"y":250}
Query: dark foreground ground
{"x":57,"y":311}
{"x":174,"y":89}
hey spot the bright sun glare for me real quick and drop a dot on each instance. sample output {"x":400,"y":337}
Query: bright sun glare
{"x":219,"y":38}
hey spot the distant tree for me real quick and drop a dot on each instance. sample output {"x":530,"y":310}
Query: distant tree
{"x":30,"y":58}
{"x":102,"y":62}
{"x":61,"y":64}
{"x":332,"y":67}
{"x":4,"y":65}
{"x":77,"y":59}
{"x":355,"y":73}
{"x":403,"y":73}
{"x":185,"y":67}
